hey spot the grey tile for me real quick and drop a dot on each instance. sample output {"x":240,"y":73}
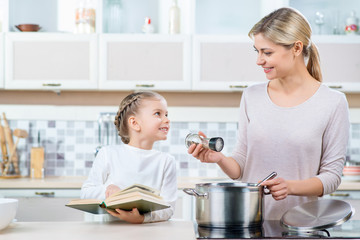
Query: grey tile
{"x":49,"y":172}
{"x":89,"y":124}
{"x":70,"y":124}
{"x":184,"y":165}
{"x":60,"y":132}
{"x":222,"y":126}
{"x":355,"y":127}
{"x":49,"y":164}
{"x":79,"y":140}
{"x":69,"y":172}
{"x":203,"y":126}
{"x":79,"y":132}
{"x":50,"y":156}
{"x":79,"y":156}
{"x":88,"y":164}
{"x":70,"y":132}
{"x":51,"y":124}
{"x":69,"y":164}
{"x":60,"y":164}
{"x":80,"y":172}
{"x":70,"y":148}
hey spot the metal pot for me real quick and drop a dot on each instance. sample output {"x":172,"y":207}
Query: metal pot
{"x":228,"y":205}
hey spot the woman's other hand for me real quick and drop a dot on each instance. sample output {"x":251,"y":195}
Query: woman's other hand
{"x":204,"y":154}
{"x":132,"y":216}
{"x":111,"y":189}
{"x":278,"y":188}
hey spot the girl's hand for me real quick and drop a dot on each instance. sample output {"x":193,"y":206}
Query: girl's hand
{"x":132,"y":216}
{"x":278,"y":188}
{"x":203,"y":154}
{"x":111,"y":189}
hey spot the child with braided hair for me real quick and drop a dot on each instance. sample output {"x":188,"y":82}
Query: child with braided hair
{"x":141,"y":120}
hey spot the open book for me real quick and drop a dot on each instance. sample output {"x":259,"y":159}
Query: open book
{"x":142,"y":197}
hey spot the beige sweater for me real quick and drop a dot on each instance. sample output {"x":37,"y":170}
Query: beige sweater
{"x":298,"y":142}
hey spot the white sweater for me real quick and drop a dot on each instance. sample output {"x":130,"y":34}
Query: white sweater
{"x":124,"y":165}
{"x":308,"y":140}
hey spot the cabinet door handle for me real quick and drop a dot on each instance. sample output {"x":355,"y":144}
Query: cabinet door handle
{"x":335,"y":86}
{"x":46,"y":194}
{"x":51,"y":84}
{"x":238,"y":86}
{"x":339,"y":194}
{"x":145,"y":85}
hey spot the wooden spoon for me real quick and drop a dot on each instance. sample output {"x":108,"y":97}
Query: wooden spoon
{"x":19,"y":133}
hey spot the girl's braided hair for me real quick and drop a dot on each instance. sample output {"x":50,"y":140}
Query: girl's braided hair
{"x":129,"y":106}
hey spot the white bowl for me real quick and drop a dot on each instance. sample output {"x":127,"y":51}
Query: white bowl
{"x":8,"y":207}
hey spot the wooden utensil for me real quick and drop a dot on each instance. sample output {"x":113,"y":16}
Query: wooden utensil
{"x":9,"y":138}
{"x":3,"y":146}
{"x":19,"y":133}
{"x":37,"y":157}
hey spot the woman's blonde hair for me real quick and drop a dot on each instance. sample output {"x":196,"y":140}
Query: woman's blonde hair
{"x":129,"y":106}
{"x":284,"y":27}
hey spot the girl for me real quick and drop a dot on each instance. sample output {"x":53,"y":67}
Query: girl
{"x":292,"y":124}
{"x":141,"y":120}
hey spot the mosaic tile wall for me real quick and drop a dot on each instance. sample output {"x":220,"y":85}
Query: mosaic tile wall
{"x":70,"y":145}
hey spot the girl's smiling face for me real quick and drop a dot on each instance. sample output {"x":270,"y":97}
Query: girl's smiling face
{"x":276,"y":60}
{"x":153,"y":119}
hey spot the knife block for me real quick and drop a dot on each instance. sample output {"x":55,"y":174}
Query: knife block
{"x":37,"y":155}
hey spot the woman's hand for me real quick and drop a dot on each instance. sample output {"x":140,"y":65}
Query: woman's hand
{"x":204,"y":154}
{"x":132,"y":216}
{"x":111,"y":189}
{"x":278,"y":188}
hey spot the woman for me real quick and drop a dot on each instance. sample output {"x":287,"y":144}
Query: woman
{"x":292,"y":124}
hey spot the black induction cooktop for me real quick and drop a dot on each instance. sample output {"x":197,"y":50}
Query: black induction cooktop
{"x":273,"y":229}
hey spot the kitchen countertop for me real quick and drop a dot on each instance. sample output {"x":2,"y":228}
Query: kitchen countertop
{"x":173,"y":229}
{"x":76,"y":183}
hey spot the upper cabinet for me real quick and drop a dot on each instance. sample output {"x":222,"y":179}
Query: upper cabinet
{"x":340,"y":62}
{"x":224,"y":63}
{"x":100,"y":44}
{"x":1,"y":60}
{"x":159,"y":62}
{"x":50,"y":61}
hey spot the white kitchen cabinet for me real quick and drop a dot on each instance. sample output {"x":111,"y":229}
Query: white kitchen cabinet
{"x":155,"y":62}
{"x":2,"y":60}
{"x":340,"y":61}
{"x":224,"y":63}
{"x":50,"y":61}
{"x":38,"y":205}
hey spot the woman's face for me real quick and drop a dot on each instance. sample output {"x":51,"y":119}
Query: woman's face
{"x":276,"y":60}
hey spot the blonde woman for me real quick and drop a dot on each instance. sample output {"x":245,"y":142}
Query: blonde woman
{"x":292,"y":124}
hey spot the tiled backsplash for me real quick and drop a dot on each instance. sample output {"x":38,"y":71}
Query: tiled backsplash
{"x":70,"y":145}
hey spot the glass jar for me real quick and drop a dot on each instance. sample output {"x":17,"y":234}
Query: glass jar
{"x":113,"y":16}
{"x":215,"y":143}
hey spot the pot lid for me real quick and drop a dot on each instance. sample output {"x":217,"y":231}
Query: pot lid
{"x":317,"y":215}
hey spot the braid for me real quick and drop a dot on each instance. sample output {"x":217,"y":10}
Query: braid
{"x":120,"y":122}
{"x":129,"y":106}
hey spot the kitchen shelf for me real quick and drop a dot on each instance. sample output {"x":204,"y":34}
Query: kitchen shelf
{"x":59,"y":15}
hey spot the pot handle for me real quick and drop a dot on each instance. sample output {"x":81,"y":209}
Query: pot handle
{"x":193,"y":192}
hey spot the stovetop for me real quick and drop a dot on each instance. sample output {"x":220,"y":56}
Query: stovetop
{"x":273,"y":229}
